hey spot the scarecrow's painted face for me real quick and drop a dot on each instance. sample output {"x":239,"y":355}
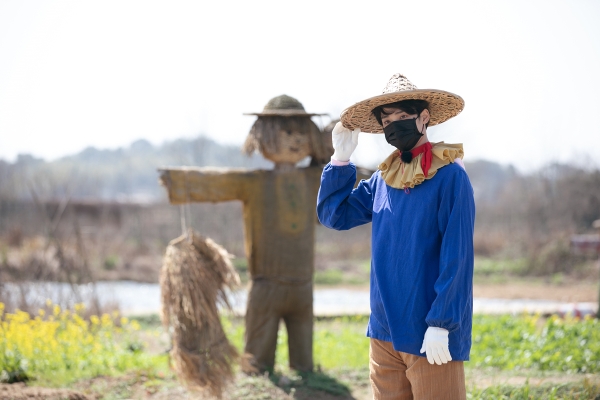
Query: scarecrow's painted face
{"x":292,"y":147}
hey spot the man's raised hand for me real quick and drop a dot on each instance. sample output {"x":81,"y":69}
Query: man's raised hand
{"x":344,"y":142}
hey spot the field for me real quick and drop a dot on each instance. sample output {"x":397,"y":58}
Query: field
{"x":522,"y":248}
{"x":109,"y":357}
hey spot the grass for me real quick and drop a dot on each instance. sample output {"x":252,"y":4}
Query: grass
{"x":503,"y":342}
{"x":485,"y":267}
{"x":350,"y":273}
{"x":344,"y":273}
{"x":580,"y":390}
{"x":532,"y":347}
{"x":531,"y":342}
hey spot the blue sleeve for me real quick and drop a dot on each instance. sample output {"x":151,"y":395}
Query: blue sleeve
{"x":454,"y":285}
{"x":339,"y":206}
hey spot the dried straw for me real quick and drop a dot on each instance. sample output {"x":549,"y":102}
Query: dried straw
{"x":266,"y":137}
{"x":195,"y":275}
{"x":442,"y":105}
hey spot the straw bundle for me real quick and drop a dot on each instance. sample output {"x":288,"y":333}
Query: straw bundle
{"x":195,"y":274}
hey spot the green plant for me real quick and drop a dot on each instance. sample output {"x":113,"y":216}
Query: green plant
{"x":329,"y":277}
{"x":110,"y":262}
{"x":510,"y":342}
{"x":572,"y":391}
{"x":63,"y":347}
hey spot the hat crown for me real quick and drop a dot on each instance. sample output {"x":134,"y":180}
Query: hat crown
{"x":398,"y":83}
{"x":283,"y":102}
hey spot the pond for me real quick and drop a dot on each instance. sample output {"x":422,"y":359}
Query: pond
{"x":134,"y":298}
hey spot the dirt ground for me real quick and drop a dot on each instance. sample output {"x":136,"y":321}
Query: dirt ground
{"x":537,"y":290}
{"x":134,"y":386}
{"x":18,"y":391}
{"x":573,"y":291}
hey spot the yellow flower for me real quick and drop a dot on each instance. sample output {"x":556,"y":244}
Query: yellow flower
{"x":135,"y":325}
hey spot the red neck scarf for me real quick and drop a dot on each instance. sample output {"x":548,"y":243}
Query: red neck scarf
{"x":424,"y":149}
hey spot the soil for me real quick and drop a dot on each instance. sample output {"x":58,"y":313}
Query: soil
{"x":18,"y":391}
{"x":523,"y":288}
{"x":537,"y":290}
{"x":135,"y":386}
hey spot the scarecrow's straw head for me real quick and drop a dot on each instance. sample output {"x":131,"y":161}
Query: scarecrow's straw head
{"x":284,"y":132}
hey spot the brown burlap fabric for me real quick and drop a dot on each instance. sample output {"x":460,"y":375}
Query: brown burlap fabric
{"x":279,"y":225}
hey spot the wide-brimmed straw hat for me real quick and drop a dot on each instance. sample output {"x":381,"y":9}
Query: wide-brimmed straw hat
{"x":283,"y":106}
{"x":442,"y":105}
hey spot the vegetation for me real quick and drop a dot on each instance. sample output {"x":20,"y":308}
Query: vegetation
{"x":504,"y":342}
{"x":530,"y":342}
{"x":61,"y":346}
{"x":582,"y":390}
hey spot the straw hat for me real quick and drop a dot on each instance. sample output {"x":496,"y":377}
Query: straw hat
{"x":283,"y":106}
{"x":442,"y":105}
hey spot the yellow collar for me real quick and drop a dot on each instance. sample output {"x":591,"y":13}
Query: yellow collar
{"x":400,"y":175}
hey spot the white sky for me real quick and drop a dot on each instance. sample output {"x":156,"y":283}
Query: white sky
{"x":105,"y":73}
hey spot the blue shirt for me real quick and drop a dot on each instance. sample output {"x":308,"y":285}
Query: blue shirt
{"x":422,"y":252}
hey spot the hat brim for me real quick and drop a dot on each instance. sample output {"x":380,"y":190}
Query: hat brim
{"x":284,"y":113}
{"x":442,"y":106}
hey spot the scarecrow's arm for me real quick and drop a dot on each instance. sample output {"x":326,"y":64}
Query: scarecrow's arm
{"x":189,"y":184}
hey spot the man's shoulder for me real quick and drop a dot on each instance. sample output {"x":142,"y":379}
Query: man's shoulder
{"x":454,"y":175}
{"x":452,"y":170}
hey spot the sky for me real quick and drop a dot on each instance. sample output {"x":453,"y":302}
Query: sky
{"x":105,"y":73}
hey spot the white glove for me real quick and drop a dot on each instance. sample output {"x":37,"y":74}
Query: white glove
{"x":344,"y":142}
{"x":435,"y":344}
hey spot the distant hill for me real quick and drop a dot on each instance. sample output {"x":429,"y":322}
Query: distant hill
{"x":129,"y":174}
{"x":126,"y":174}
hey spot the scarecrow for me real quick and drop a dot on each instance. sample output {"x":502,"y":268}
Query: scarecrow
{"x":279,"y":226}
{"x":420,"y":202}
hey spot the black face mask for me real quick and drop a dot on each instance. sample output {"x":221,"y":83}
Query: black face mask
{"x":402,"y":134}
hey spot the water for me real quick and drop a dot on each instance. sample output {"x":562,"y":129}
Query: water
{"x":134,"y":298}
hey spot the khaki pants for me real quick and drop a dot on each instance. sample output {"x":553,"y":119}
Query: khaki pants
{"x":268,"y":303}
{"x":402,"y":376}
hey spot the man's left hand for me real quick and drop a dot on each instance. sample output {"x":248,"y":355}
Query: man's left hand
{"x":435,"y":344}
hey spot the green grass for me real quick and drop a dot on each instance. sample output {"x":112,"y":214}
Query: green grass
{"x":503,"y":342}
{"x":492,"y":267}
{"x":329,"y":277}
{"x":529,"y":342}
{"x":581,"y":390}
{"x":525,"y":346}
{"x":241,"y":266}
{"x":355,"y":273}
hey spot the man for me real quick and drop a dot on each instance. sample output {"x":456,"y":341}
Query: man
{"x":420,"y":202}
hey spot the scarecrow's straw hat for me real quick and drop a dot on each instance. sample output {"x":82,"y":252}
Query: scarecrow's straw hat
{"x":283,"y":106}
{"x":442,"y":105}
